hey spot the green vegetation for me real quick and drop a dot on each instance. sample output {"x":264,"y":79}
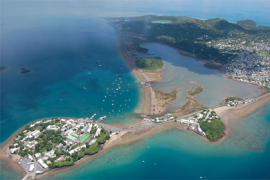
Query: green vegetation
{"x":192,"y":35}
{"x":162,"y":21}
{"x":166,"y":38}
{"x":93,"y":149}
{"x":135,"y":47}
{"x":213,"y":129}
{"x":104,"y":135}
{"x":150,"y":63}
{"x":213,"y":65}
{"x":263,"y":54}
{"x":142,"y":50}
{"x":165,"y":96}
{"x":35,"y":138}
{"x":233,"y":99}
{"x":47,"y":139}
{"x":248,"y":23}
{"x":62,"y":164}
{"x":89,"y":150}
{"x":198,"y":90}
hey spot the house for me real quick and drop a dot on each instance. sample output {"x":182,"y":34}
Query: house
{"x":31,"y":167}
{"x":92,"y":142}
{"x":59,"y":146}
{"x":97,"y":132}
{"x":50,"y":153}
{"x":52,"y":127}
{"x":37,"y":155}
{"x":36,"y":133}
{"x":13,"y":150}
{"x":40,"y":161}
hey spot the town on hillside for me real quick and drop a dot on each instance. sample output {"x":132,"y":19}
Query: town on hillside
{"x":251,"y":63}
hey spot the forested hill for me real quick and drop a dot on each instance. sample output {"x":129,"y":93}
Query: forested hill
{"x":193,"y":35}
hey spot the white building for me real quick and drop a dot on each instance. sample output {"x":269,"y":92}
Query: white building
{"x":13,"y":150}
{"x":32,"y":166}
{"x":97,"y":132}
{"x":37,"y":155}
{"x":36,"y":133}
{"x":92,"y":142}
{"x":52,"y":127}
{"x":40,"y":161}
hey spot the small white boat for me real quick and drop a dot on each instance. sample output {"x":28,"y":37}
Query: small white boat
{"x":84,"y":88}
{"x":143,"y":161}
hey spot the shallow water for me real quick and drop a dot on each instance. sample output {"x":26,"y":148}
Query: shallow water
{"x":179,"y":70}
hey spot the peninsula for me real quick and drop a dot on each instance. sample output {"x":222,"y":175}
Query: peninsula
{"x":25,"y":71}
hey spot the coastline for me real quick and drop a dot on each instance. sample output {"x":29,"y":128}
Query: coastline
{"x":4,"y":155}
{"x":150,"y":99}
{"x":235,"y":113}
{"x":127,"y":137}
{"x":122,"y":139}
{"x":139,"y":73}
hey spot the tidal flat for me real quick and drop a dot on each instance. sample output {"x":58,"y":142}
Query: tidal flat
{"x":179,"y":70}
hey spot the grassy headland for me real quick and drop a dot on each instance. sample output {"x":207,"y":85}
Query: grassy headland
{"x":213,"y":129}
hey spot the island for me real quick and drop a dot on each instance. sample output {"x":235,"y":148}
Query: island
{"x":25,"y":71}
{"x":2,"y":68}
{"x":54,"y":143}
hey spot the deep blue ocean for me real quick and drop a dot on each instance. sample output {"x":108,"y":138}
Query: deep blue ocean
{"x":63,"y":43}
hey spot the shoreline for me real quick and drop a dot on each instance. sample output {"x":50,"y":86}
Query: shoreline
{"x":122,"y":139}
{"x":140,"y":75}
{"x":150,"y":99}
{"x":235,"y":113}
{"x":127,"y":137}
